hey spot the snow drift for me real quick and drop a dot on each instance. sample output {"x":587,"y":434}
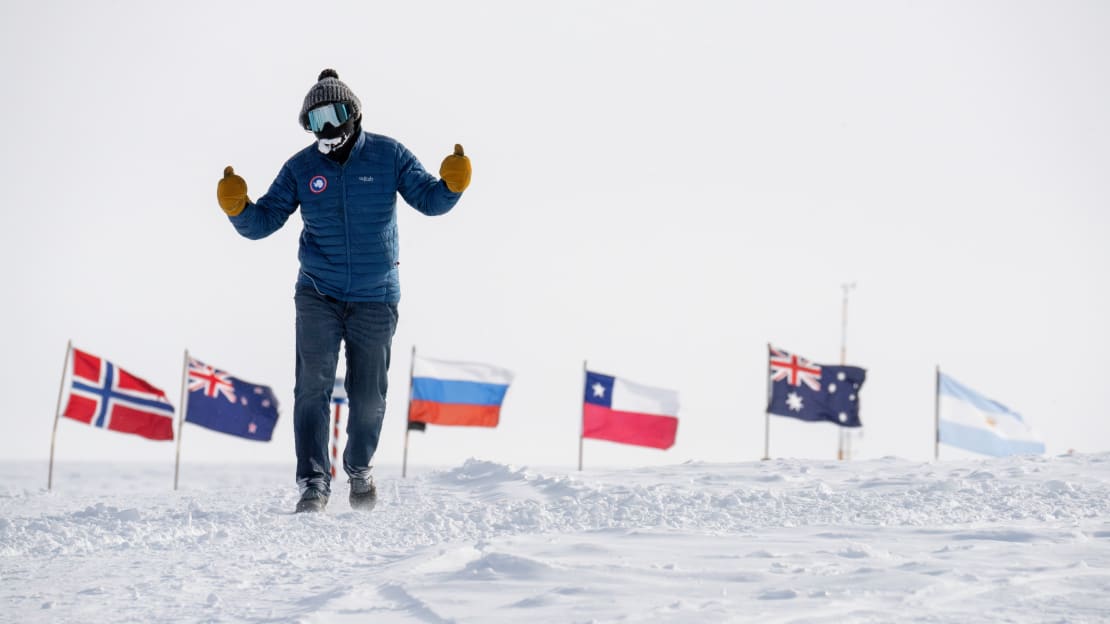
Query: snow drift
{"x":1025,"y":539}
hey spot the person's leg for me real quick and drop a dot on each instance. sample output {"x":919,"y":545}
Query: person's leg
{"x":319,"y":330}
{"x":368,"y":339}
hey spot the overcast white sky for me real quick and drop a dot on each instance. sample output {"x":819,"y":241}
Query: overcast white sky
{"x":661,"y":188}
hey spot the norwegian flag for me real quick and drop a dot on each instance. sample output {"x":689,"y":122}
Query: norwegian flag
{"x":106,"y":396}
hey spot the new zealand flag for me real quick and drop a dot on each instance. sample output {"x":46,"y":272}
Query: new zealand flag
{"x":227,"y":404}
{"x":814,"y":392}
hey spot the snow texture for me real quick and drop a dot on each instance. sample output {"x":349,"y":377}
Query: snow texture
{"x":1011,"y":540}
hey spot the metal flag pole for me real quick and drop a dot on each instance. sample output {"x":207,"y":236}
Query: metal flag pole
{"x":57,"y":414}
{"x":936,"y":416}
{"x":181,"y":415}
{"x":582,"y":424}
{"x":766,"y":411}
{"x":844,"y":452}
{"x":408,"y":413}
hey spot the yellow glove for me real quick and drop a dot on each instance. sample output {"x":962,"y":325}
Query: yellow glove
{"x":232,"y":192}
{"x":455,"y":170}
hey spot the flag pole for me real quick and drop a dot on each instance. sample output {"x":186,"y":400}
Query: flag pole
{"x":181,"y":416}
{"x":405,"y":455}
{"x":57,"y":414}
{"x":844,"y":451}
{"x":408,"y":413}
{"x":936,"y":416}
{"x":582,"y":424}
{"x":766,"y":413}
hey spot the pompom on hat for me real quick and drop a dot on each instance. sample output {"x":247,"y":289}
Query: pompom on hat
{"x":329,"y":88}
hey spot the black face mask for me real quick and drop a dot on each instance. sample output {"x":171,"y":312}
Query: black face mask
{"x":331,"y":138}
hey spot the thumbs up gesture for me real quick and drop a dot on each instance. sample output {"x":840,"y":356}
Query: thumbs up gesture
{"x":455,"y":171}
{"x":232,"y":192}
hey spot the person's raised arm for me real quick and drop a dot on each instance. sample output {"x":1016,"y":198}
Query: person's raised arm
{"x":423,"y":191}
{"x":259,"y":219}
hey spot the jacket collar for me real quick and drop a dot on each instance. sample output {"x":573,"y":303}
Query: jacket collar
{"x":360,"y":141}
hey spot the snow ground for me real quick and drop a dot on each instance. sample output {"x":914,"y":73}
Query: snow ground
{"x":1011,"y":540}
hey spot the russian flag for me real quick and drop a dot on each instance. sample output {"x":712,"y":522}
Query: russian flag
{"x":619,"y":410}
{"x":467,"y":394}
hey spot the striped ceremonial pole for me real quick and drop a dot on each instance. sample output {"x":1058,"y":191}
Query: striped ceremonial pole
{"x":338,"y":397}
{"x":335,"y":441}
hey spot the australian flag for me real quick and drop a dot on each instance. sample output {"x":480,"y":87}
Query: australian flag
{"x":227,"y":404}
{"x":814,"y":392}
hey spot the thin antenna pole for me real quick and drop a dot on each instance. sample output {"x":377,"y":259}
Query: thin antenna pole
{"x":766,"y":413}
{"x":408,"y":414}
{"x":57,"y":414}
{"x":936,"y":416}
{"x":844,"y":323}
{"x":181,"y":416}
{"x":582,"y":424}
{"x":844,"y":452}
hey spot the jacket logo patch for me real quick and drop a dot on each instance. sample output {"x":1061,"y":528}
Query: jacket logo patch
{"x":317,"y":184}
{"x":366,"y":178}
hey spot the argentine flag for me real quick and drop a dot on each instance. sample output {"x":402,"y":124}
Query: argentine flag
{"x":971,"y":421}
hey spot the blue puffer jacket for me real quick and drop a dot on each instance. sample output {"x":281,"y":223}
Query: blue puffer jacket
{"x":349,"y":242}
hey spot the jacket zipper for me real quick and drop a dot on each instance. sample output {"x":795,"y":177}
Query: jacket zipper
{"x":346,"y":222}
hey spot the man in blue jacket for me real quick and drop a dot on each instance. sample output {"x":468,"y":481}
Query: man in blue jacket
{"x":346,"y":185}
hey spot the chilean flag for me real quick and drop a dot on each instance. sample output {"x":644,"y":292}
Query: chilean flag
{"x":619,"y":410}
{"x":106,"y":396}
{"x":467,"y":394}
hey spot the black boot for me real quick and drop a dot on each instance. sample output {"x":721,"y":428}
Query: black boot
{"x":363,"y":494}
{"x":312,"y":500}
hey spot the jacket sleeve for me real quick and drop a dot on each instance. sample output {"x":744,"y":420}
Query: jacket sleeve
{"x":420,"y":189}
{"x":270,"y":212}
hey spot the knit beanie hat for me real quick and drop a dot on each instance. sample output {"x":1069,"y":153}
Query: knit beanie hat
{"x":329,"y":88}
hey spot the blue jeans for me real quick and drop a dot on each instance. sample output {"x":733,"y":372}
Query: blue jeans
{"x":367,"y":330}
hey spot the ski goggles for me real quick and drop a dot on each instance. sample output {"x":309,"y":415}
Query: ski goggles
{"x":334,"y":113}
